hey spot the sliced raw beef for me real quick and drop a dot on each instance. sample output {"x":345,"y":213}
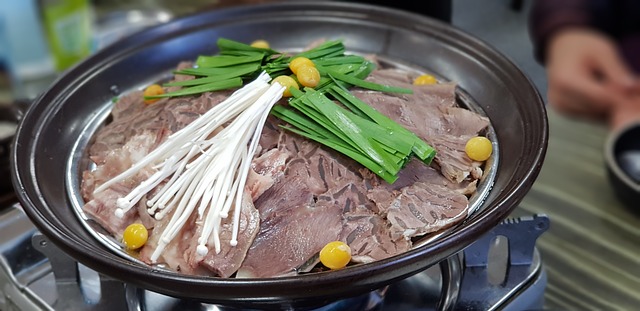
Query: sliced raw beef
{"x":423,"y":208}
{"x":180,"y":254}
{"x":432,"y":113}
{"x":369,"y":237}
{"x":293,"y":229}
{"x":228,"y":260}
{"x":299,"y":195}
{"x":101,"y":206}
{"x":175,"y":255}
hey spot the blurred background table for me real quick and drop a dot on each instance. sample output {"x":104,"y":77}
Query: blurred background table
{"x":592,"y":251}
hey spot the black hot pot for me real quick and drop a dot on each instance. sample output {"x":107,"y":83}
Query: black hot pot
{"x":77,"y":102}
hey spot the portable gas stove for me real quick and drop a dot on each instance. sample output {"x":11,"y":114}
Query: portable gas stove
{"x":500,"y":271}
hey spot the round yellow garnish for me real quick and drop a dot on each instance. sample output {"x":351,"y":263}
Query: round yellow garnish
{"x":287,"y":82}
{"x":308,"y":76}
{"x":299,"y":62}
{"x":135,"y":236}
{"x":478,"y":148}
{"x":262,"y":44}
{"x":335,"y":255}
{"x":151,"y":90}
{"x":425,"y":80}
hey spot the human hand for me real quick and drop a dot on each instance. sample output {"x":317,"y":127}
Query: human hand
{"x":587,"y":77}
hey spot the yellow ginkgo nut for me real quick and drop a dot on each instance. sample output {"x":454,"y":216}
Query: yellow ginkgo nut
{"x":135,"y":236}
{"x":152,"y":90}
{"x":308,"y":76}
{"x":335,"y":255}
{"x":425,"y":80}
{"x":479,"y":148}
{"x":299,"y":62}
{"x":262,"y":44}
{"x":287,"y":82}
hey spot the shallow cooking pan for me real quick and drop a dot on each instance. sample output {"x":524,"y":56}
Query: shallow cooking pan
{"x":79,"y":100}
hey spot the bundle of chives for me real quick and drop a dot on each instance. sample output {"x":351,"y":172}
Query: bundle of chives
{"x":359,"y":131}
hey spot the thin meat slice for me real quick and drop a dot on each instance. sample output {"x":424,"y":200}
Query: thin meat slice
{"x":118,"y":159}
{"x":180,"y":254}
{"x":131,"y":116}
{"x":101,"y":206}
{"x":463,"y":122}
{"x":290,"y":192}
{"x":101,"y":211}
{"x":352,"y":198}
{"x":283,"y":245}
{"x":369,"y":237}
{"x":270,"y":136}
{"x":175,"y":256}
{"x":423,"y":208}
{"x":432,"y":113}
{"x":228,"y":260}
{"x":382,"y":193}
{"x":303,"y":210}
{"x":265,"y":171}
{"x":454,"y":163}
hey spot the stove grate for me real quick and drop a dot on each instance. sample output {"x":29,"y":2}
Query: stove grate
{"x":36,"y":275}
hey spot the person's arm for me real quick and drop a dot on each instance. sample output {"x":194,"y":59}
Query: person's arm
{"x":586,"y":75}
{"x":547,"y":17}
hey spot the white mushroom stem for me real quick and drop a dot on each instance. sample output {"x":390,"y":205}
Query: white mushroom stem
{"x":131,"y":199}
{"x":208,"y":167}
{"x":211,"y":120}
{"x":244,"y":133}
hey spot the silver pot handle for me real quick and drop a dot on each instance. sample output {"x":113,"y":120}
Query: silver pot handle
{"x":451,"y":273}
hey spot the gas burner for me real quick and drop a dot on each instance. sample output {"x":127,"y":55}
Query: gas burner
{"x":502,"y":270}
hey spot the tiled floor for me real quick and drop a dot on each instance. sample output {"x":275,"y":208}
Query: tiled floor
{"x":591,"y":252}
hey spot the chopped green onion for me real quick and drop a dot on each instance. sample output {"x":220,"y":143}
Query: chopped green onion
{"x":227,"y":60}
{"x":369,"y":85}
{"x":251,"y":67}
{"x":422,"y":150}
{"x":326,"y":49}
{"x":241,"y":71}
{"x":341,"y":119}
{"x":355,"y":155}
{"x":352,"y":127}
{"x":340,"y":60}
{"x":226,"y":45}
{"x":209,"y":87}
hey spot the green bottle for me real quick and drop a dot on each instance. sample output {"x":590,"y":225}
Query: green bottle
{"x":68,"y":28}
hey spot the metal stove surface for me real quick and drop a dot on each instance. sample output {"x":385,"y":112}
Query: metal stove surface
{"x":500,"y":271}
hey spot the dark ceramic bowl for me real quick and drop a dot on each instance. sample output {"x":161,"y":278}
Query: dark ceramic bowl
{"x":622,"y":157}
